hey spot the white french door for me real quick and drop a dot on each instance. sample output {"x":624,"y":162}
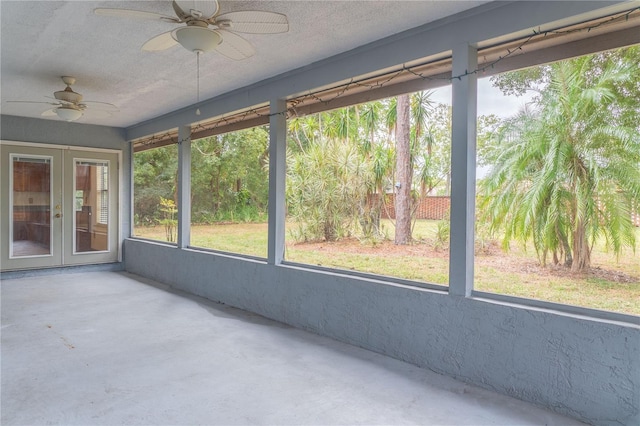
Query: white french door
{"x":58,"y":207}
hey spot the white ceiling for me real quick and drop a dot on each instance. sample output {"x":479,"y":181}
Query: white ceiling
{"x":43,"y":40}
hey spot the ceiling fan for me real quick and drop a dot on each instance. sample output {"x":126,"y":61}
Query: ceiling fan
{"x":69,"y":105}
{"x":206,"y":29}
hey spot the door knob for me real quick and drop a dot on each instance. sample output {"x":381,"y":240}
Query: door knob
{"x":58,"y":215}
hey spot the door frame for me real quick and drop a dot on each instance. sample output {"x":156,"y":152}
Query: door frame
{"x":119,"y":194}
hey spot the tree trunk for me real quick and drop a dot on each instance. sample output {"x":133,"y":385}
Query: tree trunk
{"x":581,"y":249}
{"x":566,"y":249}
{"x":403,"y":172}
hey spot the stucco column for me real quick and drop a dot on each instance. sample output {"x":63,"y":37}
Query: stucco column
{"x":277,"y":177}
{"x":184,"y":186}
{"x":463,"y":169}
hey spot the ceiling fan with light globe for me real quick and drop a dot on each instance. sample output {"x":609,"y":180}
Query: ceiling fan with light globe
{"x":206,"y":29}
{"x":70,"y":105}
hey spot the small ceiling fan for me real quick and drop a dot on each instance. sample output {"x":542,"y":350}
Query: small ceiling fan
{"x":206,"y":29}
{"x":69,"y":105}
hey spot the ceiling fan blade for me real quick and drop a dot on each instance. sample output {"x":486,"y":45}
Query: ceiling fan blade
{"x":35,"y":102}
{"x":201,"y":9}
{"x":135,"y":14}
{"x":234,"y":47}
{"x":159,"y":42}
{"x":253,"y":22}
{"x":101,"y":106}
{"x":49,"y":113}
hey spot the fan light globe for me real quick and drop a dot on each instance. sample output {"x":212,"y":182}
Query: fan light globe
{"x":197,"y":39}
{"x":68,"y":114}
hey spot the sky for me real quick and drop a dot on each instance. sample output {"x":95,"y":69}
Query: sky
{"x":490,"y":99}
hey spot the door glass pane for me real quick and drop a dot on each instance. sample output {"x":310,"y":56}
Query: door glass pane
{"x":91,"y":206}
{"x":31,"y":202}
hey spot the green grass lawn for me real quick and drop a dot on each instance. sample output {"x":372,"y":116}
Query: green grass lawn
{"x":614,"y":283}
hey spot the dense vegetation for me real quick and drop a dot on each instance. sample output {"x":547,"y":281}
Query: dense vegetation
{"x":567,"y":171}
{"x":229,"y":179}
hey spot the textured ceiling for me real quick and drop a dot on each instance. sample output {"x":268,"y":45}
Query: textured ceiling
{"x":43,"y":40}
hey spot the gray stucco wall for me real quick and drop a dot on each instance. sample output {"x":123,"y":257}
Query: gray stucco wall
{"x":59,"y":132}
{"x":582,"y":367}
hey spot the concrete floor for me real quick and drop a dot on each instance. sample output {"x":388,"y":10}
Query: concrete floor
{"x":112,"y":348}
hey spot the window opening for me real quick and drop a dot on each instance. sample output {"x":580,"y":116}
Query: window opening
{"x":558,"y":191}
{"x":348,"y":205}
{"x":155,"y":176}
{"x":230,"y":191}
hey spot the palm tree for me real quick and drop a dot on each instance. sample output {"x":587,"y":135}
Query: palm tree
{"x":407,"y":115}
{"x":324,"y":188}
{"x":404,"y":171}
{"x":568,"y":171}
{"x":303,"y":129}
{"x":377,"y":155}
{"x":369,"y":119}
{"x":362,"y":128}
